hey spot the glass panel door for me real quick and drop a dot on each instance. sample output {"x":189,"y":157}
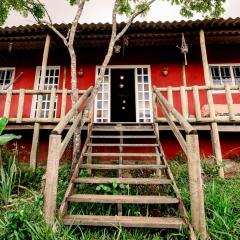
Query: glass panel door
{"x":143,"y":95}
{"x":51,"y":81}
{"x":102,"y":102}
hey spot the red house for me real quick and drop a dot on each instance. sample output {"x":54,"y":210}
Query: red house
{"x":169,"y":87}
{"x":146,"y":56}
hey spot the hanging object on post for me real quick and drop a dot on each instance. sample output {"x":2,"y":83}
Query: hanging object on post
{"x":184,"y":48}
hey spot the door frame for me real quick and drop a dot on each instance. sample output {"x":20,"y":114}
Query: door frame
{"x":136,"y":92}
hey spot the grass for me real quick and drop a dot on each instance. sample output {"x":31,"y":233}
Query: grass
{"x":23,"y":217}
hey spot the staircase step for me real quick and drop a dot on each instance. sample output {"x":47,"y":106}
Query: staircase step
{"x":131,"y":199}
{"x":143,"y":181}
{"x":120,"y":145}
{"x":128,"y":136}
{"x":123,"y":129}
{"x":121,"y":154}
{"x":122,"y":166}
{"x":124,"y":221}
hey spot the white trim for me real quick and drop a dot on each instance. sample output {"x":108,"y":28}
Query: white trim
{"x":34,"y":98}
{"x":13,"y":74}
{"x":219,"y":65}
{"x":134,"y":67}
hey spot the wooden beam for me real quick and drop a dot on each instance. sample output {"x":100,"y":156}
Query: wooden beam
{"x":204,"y":57}
{"x":184,"y":102}
{"x":20,"y":106}
{"x":229,"y":100}
{"x":43,"y":72}
{"x":50,"y":192}
{"x":8,"y":103}
{"x":184,"y":78}
{"x":217,"y":148}
{"x":196,"y":185}
{"x":196,"y":100}
{"x":34,"y":148}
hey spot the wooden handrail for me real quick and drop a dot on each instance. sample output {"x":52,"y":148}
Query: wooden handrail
{"x":184,"y":123}
{"x":63,"y":123}
{"x":37,"y":92}
{"x":190,"y":88}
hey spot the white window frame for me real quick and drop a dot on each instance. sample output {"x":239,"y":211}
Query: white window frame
{"x":34,"y":99}
{"x":231,"y":65}
{"x":13,"y":75}
{"x":134,"y":67}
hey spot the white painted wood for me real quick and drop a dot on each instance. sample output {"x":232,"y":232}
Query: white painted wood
{"x":34,"y":147}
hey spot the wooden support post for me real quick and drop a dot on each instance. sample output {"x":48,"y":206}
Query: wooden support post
{"x":217,"y":148}
{"x":155,"y":113}
{"x":196,"y":100}
{"x":184,"y":102}
{"x":196,"y":185}
{"x":20,"y":106}
{"x":64,"y":103}
{"x":64,"y":76}
{"x":8,"y":103}
{"x":43,"y":74}
{"x":211,"y":105}
{"x":34,"y":148}
{"x":170,"y":99}
{"x":184,"y":78}
{"x":51,"y":107}
{"x":229,"y":103}
{"x":50,"y":192}
{"x":204,"y":57}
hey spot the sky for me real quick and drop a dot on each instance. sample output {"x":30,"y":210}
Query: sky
{"x":100,"y":11}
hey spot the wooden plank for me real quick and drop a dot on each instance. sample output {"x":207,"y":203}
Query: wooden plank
{"x":20,"y":106}
{"x":211,"y":105}
{"x":121,"y":144}
{"x":50,"y":192}
{"x":122,"y":129}
{"x":229,"y":103}
{"x":204,"y":57}
{"x":124,"y":221}
{"x":118,"y":166}
{"x":197,"y":105}
{"x":64,"y":122}
{"x":188,"y":128}
{"x":184,"y":102}
{"x":8,"y":103}
{"x":107,"y":154}
{"x":196,"y":185}
{"x":134,"y":181}
{"x":217,"y":148}
{"x":64,"y":103}
{"x":34,"y":148}
{"x":174,"y":129}
{"x":51,"y":107}
{"x":125,"y":137}
{"x":131,"y":199}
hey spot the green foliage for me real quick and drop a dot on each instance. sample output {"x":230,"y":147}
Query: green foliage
{"x":114,"y":187}
{"x":209,"y":8}
{"x":5,"y":138}
{"x":8,"y":178}
{"x":23,"y":7}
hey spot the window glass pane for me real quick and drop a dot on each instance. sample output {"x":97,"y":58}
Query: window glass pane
{"x":236,"y":73}
{"x":145,"y":71}
{"x":99,"y":104}
{"x":140,"y":87}
{"x":105,"y":96}
{"x":146,"y":96}
{"x":146,"y":87}
{"x":139,"y":79}
{"x":139,"y":71}
{"x":140,"y":96}
{"x":140,"y":104}
{"x":147,"y":104}
{"x":145,"y":79}
{"x":99,"y":113}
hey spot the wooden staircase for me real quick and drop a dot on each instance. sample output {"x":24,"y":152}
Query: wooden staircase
{"x":130,"y":156}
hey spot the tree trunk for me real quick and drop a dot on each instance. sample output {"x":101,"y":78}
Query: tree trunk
{"x":74,"y":96}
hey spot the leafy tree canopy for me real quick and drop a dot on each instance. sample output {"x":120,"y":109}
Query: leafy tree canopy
{"x":209,"y":8}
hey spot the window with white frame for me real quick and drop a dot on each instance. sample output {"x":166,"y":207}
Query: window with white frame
{"x":6,"y":77}
{"x":51,"y":81}
{"x":228,"y":74}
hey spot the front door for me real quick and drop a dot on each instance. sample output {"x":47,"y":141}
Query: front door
{"x":123,"y":95}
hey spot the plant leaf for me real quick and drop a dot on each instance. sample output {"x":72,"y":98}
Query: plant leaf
{"x":3,"y":123}
{"x":4,"y":139}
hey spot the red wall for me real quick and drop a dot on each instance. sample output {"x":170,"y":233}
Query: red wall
{"x":157,"y":57}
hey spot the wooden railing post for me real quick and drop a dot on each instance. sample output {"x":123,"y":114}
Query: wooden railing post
{"x":196,"y":185}
{"x":50,"y":192}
